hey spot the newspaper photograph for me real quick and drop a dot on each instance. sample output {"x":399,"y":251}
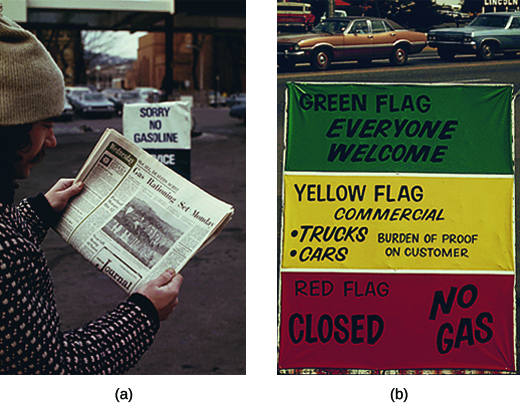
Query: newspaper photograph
{"x":136,"y":217}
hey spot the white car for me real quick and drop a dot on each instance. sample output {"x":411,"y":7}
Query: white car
{"x":150,"y":94}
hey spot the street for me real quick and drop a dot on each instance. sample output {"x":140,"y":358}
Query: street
{"x":206,"y":334}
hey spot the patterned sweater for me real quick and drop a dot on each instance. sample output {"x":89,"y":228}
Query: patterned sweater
{"x":30,"y":338}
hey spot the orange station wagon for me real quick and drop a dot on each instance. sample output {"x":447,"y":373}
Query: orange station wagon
{"x":350,"y":38}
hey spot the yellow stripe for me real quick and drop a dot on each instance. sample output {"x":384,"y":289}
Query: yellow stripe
{"x":398,"y":223}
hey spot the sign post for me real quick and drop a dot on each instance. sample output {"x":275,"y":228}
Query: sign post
{"x":163,"y":130}
{"x":397,"y":240}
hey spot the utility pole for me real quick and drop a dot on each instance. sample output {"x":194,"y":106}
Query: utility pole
{"x":167,"y":83}
{"x":330,"y":8}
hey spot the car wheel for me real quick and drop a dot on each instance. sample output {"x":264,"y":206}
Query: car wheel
{"x":399,"y":55}
{"x":446,"y":54}
{"x":321,"y":59}
{"x":486,"y":51}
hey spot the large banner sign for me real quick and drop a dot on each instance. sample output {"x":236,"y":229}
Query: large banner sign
{"x":397,"y":241}
{"x":162,"y":130}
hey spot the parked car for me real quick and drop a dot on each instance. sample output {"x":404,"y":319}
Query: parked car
{"x":337,"y":13}
{"x":455,"y":15}
{"x":110,"y":92}
{"x":485,"y":36}
{"x":350,"y":38}
{"x":236,"y":99}
{"x":150,"y":94}
{"x":76,"y":91}
{"x":68,"y":112}
{"x":92,"y":103}
{"x":124,"y":97}
{"x":216,"y":99}
{"x":239,"y":112}
{"x":237,"y":104}
{"x":294,"y":15}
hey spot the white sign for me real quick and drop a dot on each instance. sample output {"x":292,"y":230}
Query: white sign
{"x":164,"y":125}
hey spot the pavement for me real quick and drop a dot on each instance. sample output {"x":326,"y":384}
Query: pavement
{"x":206,"y":334}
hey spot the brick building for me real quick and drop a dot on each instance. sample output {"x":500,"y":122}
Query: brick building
{"x":201,"y":62}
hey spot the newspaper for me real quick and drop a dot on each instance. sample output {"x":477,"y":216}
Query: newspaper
{"x":135,"y":218}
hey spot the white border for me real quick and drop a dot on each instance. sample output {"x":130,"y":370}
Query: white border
{"x":394,"y":174}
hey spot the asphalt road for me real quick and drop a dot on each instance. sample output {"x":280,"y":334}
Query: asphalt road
{"x":425,"y":67}
{"x":206,"y":334}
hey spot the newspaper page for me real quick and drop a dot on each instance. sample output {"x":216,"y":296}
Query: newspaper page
{"x":135,"y":218}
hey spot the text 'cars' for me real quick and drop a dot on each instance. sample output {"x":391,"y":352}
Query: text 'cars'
{"x":91,"y":103}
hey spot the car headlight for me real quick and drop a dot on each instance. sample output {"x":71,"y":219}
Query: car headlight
{"x":468,"y":38}
{"x":294,"y":47}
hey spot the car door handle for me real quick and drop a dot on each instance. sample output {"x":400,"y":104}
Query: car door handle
{"x":393,"y":34}
{"x":370,"y":36}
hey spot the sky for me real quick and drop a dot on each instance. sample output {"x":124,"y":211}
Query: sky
{"x":120,"y":43}
{"x":127,"y":44}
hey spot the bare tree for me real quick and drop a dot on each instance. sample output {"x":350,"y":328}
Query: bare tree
{"x":97,"y":43}
{"x":58,"y":42}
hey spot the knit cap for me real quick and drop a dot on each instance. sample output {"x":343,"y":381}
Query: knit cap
{"x":31,"y":84}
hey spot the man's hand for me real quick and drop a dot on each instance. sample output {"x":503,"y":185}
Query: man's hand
{"x":59,"y":195}
{"x":163,"y":292}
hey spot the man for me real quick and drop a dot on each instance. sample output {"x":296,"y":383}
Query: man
{"x":31,"y":94}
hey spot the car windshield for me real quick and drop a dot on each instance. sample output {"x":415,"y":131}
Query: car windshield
{"x":331,"y":27}
{"x":97,"y":97}
{"x":394,"y":25}
{"x":490,"y":21}
{"x":78,"y":93}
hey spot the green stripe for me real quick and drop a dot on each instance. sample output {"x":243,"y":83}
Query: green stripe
{"x":454,"y":129}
